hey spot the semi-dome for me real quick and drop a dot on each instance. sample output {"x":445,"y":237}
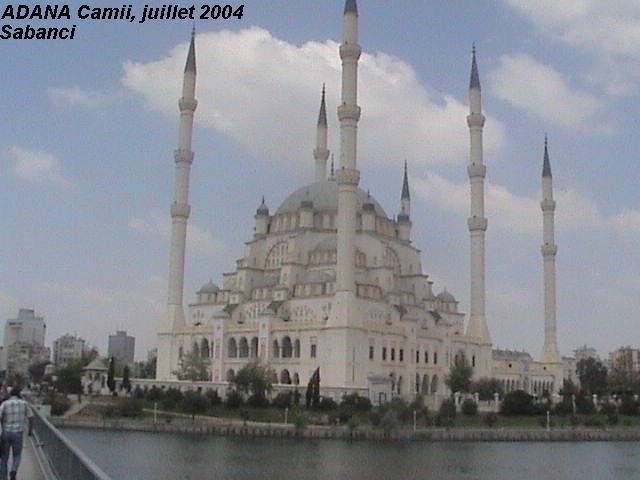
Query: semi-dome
{"x":209,"y":287}
{"x":324,"y":196}
{"x":446,"y":297}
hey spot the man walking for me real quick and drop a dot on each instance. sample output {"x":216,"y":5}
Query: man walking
{"x":14,"y":413}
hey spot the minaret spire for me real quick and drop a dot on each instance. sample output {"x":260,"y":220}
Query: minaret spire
{"x":404,"y":220}
{"x":180,"y":211}
{"x":549,"y":250}
{"x":321,"y":153}
{"x":477,"y":222}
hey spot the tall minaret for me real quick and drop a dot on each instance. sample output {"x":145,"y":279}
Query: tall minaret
{"x":180,"y":211}
{"x":404,"y":219}
{"x":347,"y":175}
{"x":549,"y":249}
{"x":321,"y":153}
{"x":477,"y":222}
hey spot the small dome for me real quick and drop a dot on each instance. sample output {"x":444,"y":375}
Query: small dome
{"x":324,"y":195}
{"x":262,"y":209}
{"x":446,"y":297}
{"x":209,"y":287}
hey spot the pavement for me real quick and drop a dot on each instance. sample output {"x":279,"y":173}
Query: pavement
{"x":29,"y":468}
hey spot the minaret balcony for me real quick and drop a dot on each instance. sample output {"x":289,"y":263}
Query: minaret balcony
{"x":477,"y":224}
{"x":475,"y":170}
{"x":350,"y":51}
{"x":549,"y":250}
{"x":183,"y":156}
{"x":180,"y":210}
{"x":348,"y":176}
{"x":187,"y":104}
{"x":349,"y":112}
{"x":548,"y":205}
{"x":475,"y":120}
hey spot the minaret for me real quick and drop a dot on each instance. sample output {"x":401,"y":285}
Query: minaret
{"x":477,"y":222}
{"x":549,"y":249}
{"x":321,"y":153}
{"x":347,"y":175}
{"x":180,"y":211}
{"x":404,"y":219}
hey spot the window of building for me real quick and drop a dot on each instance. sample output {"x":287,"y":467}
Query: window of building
{"x":393,"y":354}
{"x":401,"y":355}
{"x":473,"y":360}
{"x":435,"y":358}
{"x":370,"y":352}
{"x":426,"y":356}
{"x":313,"y":350}
{"x":417,"y":356}
{"x":384,"y":353}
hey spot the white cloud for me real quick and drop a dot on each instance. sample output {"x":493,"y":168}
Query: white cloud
{"x":199,"y":239}
{"x":507,"y":211}
{"x":607,"y":30}
{"x":265,"y":92}
{"x":37,"y":166}
{"x":542,"y":91}
{"x":76,"y":96}
{"x":627,"y":225}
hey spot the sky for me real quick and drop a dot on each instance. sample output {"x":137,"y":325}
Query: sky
{"x":89,"y":125}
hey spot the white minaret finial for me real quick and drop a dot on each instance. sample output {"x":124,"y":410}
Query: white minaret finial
{"x":549,"y":249}
{"x":347,"y":175}
{"x":180,"y":211}
{"x":477,"y":223}
{"x":321,"y":153}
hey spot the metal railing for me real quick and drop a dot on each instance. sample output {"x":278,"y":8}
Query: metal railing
{"x":65,"y":459}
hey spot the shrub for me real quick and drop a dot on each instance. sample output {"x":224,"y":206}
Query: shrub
{"x":608,"y":408}
{"x":574,"y":420}
{"x":628,"y":406}
{"x":353,"y":423}
{"x":592,"y":421}
{"x":389,"y":422}
{"x":444,"y":421}
{"x":585,"y":406}
{"x":417,"y":404}
{"x":213,"y":397}
{"x":612,"y":419}
{"x":258,"y":400}
{"x":234,"y":399}
{"x":375,"y":417}
{"x":517,"y":402}
{"x":299,"y":418}
{"x":469,"y":407}
{"x":356,"y":403}
{"x":540,"y":408}
{"x":138,"y":393}
{"x":172,"y":397}
{"x":327,"y":403}
{"x":282,"y":400}
{"x":401,"y":409}
{"x":490,"y":419}
{"x":193,"y":403}
{"x":130,"y":408}
{"x":59,"y":405}
{"x":565,"y":407}
{"x":155,"y":394}
{"x":447,"y":409}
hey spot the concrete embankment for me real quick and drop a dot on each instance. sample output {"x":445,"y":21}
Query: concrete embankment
{"x":235,"y":428}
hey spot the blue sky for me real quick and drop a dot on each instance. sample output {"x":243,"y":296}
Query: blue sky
{"x":89,"y":126}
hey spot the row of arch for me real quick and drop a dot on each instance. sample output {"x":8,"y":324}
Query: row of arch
{"x":285,"y":377}
{"x":537,"y":387}
{"x":242,"y":348}
{"x":427,"y":385}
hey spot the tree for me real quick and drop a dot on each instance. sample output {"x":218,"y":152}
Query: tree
{"x":486,"y":387}
{"x":126,"y":383}
{"x":312,"y":396}
{"x":68,"y":379}
{"x":36,"y":371}
{"x":593,"y":376}
{"x":517,"y":402}
{"x":254,"y":378}
{"x":111,"y":373}
{"x":459,"y":378}
{"x":194,"y":403}
{"x":623,"y":378}
{"x":192,"y":367}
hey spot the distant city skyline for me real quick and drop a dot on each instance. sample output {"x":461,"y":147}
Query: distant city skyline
{"x":87,"y":140}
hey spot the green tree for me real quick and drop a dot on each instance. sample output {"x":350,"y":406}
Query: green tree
{"x":194,"y":403}
{"x":517,"y":402}
{"x":486,"y":387}
{"x":313,"y":390}
{"x":111,"y":374}
{"x":36,"y":371}
{"x":126,"y":382}
{"x":593,"y":376}
{"x":192,"y":367}
{"x":68,"y":379}
{"x":623,"y":378}
{"x":254,"y":378}
{"x":459,"y":378}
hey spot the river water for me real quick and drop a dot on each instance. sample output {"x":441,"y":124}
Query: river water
{"x":149,"y":456}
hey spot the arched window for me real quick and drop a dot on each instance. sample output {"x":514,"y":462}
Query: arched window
{"x":232,"y":348}
{"x":180,"y":352}
{"x":275,"y":353}
{"x":204,"y":348}
{"x":296,"y":379}
{"x":243,"y":348}
{"x":434,"y":385}
{"x":276,"y":255}
{"x":253,"y":351}
{"x":400,"y":385}
{"x":390,"y":259}
{"x":195,"y":350}
{"x":296,"y":348}
{"x":287,"y":348}
{"x":231,"y":375}
{"x":285,"y":377}
{"x":425,"y":384}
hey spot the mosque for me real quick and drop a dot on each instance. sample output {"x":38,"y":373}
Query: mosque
{"x":329,"y":280}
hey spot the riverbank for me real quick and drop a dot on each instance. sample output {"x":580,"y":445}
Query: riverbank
{"x":234,"y":428}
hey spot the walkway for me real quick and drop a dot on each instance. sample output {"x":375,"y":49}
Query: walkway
{"x":29,"y":465}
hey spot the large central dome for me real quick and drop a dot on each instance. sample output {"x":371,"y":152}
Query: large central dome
{"x":324,"y":196}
